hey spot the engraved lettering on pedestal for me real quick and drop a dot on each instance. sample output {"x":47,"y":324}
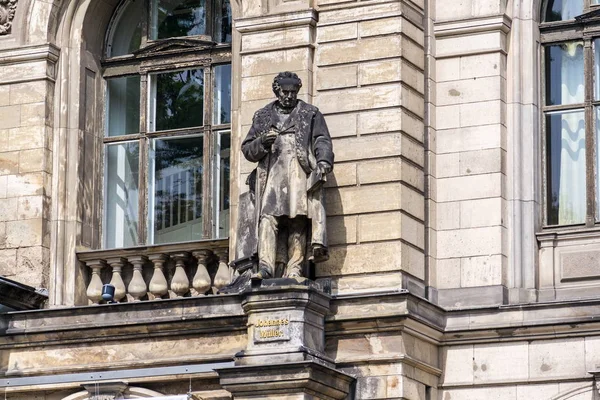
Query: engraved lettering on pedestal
{"x":272,"y":329}
{"x":7,"y":14}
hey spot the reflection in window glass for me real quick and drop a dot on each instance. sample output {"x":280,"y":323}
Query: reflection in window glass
{"x":127,"y":36}
{"x":122,"y":194}
{"x":178,"y":99}
{"x":222,"y":173}
{"x":175,"y":191}
{"x":223,"y":23}
{"x":222,"y":94}
{"x":123,"y":105}
{"x":562,"y":10}
{"x":565,"y":152}
{"x":175,"y":18}
{"x":564,"y":73}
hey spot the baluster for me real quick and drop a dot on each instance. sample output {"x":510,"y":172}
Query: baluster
{"x":201,"y":280}
{"x":180,"y":283}
{"x":94,"y":289}
{"x":158,"y":284}
{"x":223,"y":276}
{"x":117,"y":279}
{"x":137,"y":287}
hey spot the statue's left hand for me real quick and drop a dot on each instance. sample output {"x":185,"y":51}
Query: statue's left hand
{"x":324,"y":167}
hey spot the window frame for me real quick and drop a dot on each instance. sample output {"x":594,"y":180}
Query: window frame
{"x":584,"y":28}
{"x":155,"y":57}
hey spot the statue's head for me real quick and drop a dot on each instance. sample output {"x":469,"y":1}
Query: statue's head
{"x":286,"y":86}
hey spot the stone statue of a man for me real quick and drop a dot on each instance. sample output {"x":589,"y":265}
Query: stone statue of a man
{"x":291,"y":144}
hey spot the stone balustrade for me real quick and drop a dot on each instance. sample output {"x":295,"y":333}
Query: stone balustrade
{"x":157,"y":272}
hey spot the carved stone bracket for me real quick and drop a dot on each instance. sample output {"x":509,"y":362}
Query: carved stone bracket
{"x":8,"y":9}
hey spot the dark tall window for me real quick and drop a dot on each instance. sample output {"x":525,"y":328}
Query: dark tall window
{"x":168,"y":120}
{"x":570,"y":34}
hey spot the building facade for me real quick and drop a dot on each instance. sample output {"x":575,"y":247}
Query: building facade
{"x":463,"y":206}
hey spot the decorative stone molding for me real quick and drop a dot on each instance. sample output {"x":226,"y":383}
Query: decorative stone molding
{"x":7,"y":14}
{"x":106,"y":390}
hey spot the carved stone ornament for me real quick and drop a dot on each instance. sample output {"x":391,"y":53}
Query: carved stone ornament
{"x":7,"y":14}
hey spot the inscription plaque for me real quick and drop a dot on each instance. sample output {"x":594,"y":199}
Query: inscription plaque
{"x":272,"y":329}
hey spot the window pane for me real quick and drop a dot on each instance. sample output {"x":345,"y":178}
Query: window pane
{"x":223,"y":23}
{"x":121,"y":195}
{"x":173,"y":18}
{"x":123,"y":106}
{"x":127,"y":36}
{"x":222,"y":93}
{"x":565,"y":151}
{"x":178,"y":100}
{"x":564,"y":73}
{"x":222,"y":166}
{"x":561,"y":10}
{"x":175,"y":190}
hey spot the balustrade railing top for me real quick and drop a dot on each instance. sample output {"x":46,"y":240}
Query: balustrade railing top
{"x":158,"y":271}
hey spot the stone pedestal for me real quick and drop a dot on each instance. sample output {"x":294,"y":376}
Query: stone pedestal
{"x":284,"y":356}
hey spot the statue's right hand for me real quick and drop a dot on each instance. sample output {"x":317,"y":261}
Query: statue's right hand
{"x":267,"y":138}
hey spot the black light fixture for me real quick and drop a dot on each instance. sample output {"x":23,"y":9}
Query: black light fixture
{"x":108,"y":293}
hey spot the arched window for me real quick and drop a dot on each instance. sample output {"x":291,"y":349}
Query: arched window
{"x":167,"y":122}
{"x":570,"y":35}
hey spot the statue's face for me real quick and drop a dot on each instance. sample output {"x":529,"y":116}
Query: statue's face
{"x":288,"y":95}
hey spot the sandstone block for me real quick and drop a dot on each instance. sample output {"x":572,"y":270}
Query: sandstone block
{"x":31,"y":137}
{"x":470,"y":138}
{"x":360,"y":50}
{"x":4,"y":95}
{"x":11,"y":117}
{"x":8,"y":262}
{"x":447,"y":117}
{"x":470,"y":44}
{"x":9,"y":162}
{"x":8,"y":209}
{"x":447,"y":216}
{"x":482,"y":161}
{"x":28,"y":92}
{"x":341,"y":230}
{"x":273,"y":62}
{"x":361,"y":258}
{"x":482,"y":65}
{"x":33,"y":161}
{"x":29,"y":206}
{"x":357,"y":99}
{"x":390,"y":120}
{"x":471,"y":90}
{"x":357,"y":200}
{"x":557,"y":358}
{"x":447,"y":165}
{"x":482,"y":271}
{"x":457,"y":365}
{"x":33,"y":266}
{"x":16,"y":71}
{"x":3,"y":186}
{"x":470,"y":242}
{"x":360,"y":148}
{"x":337,"y":32}
{"x":276,"y":38}
{"x":344,"y":174}
{"x":365,"y":12}
{"x":342,"y":125}
{"x":447,"y":273}
{"x":392,"y":225}
{"x":2,"y":235}
{"x":482,"y":212}
{"x":447,"y":69}
{"x":528,"y":392}
{"x":469,"y":187}
{"x":32,"y":184}
{"x":389,"y":170}
{"x":35,"y":114}
{"x":387,"y":26}
{"x":24,"y":233}
{"x":337,"y":77}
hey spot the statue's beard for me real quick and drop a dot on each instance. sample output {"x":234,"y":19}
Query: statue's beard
{"x":287,"y":107}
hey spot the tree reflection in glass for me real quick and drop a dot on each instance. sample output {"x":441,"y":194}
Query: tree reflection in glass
{"x":179,"y":99}
{"x":176,"y":189}
{"x":176,"y":18}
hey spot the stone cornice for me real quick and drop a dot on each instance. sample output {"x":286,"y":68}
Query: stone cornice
{"x":472,"y":26}
{"x":278,"y":21}
{"x":21,"y":54}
